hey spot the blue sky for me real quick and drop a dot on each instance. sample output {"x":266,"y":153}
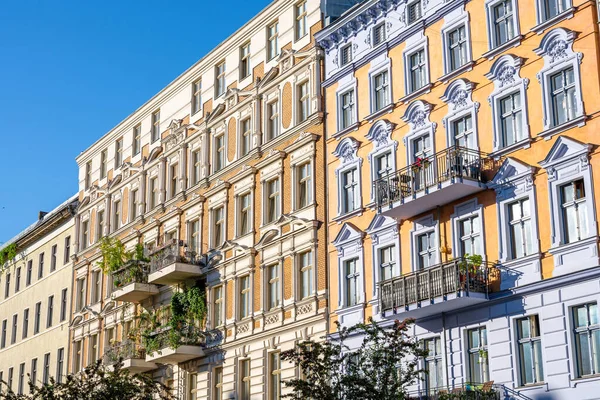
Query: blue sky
{"x":72,"y":70}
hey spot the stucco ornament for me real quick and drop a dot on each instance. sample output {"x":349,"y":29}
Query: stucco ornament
{"x":459,"y":99}
{"x":418,"y":119}
{"x":557,"y":49}
{"x":506,"y":75}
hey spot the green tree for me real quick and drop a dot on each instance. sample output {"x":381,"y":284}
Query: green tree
{"x":95,"y":382}
{"x":385,"y":365}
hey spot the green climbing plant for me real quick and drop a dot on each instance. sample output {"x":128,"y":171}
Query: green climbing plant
{"x":7,"y":254}
{"x":114,"y":255}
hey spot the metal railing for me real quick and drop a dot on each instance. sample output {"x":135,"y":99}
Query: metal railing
{"x":459,"y":392}
{"x":174,"y":252}
{"x":127,"y":350}
{"x":133,"y":271}
{"x":439,"y":280}
{"x":187,"y":334}
{"x":447,"y":165}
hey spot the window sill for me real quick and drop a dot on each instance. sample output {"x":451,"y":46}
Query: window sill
{"x":567,"y":14}
{"x":533,"y":386}
{"x":504,"y":46}
{"x":343,"y":217}
{"x":450,"y":75}
{"x":385,"y":110}
{"x":523,"y":144}
{"x":516,"y":262}
{"x":345,"y":131}
{"x":416,"y":93}
{"x":585,"y":379}
{"x":570,"y":246}
{"x":577,"y":122}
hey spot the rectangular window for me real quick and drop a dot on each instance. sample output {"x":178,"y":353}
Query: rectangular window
{"x":275,"y":376}
{"x":244,"y":379}
{"x":50,"y":311}
{"x":217,"y":306}
{"x":118,"y":153}
{"x":521,"y":240}
{"x":194,"y":236}
{"x":18,"y":280}
{"x":100,"y":223}
{"x":192,"y":387}
{"x":88,"y":175}
{"x":273,"y":206}
{"x":196,"y":167}
{"x":21,"y":378}
{"x":470,"y":235}
{"x":351,"y":282}
{"x":306,"y":274}
{"x":244,"y":214}
{"x":173,"y":175}
{"x":387,"y":262}
{"x":531,"y":363}
{"x":552,"y":8}
{"x":80,"y":301}
{"x":303,"y":102}
{"x":155,"y":126}
{"x":219,"y":162}
{"x":272,"y":120}
{"x":574,"y":211}
{"x":218,"y":384}
{"x":29,"y":273}
{"x":137,"y":139}
{"x":10,"y":378}
{"x":272,"y":41}
{"x":103,"y":161}
{"x":383,"y":165}
{"x":53,"y":253}
{"x":346,"y":55}
{"x":273,"y":283}
{"x":25,"y":330}
{"x":60,"y":361}
{"x":457,"y":48}
{"x":37,"y":318}
{"x":478,"y":356}
{"x":433,"y":364}
{"x":510,"y":119}
{"x":244,"y":296}
{"x":218,"y":226}
{"x":245,"y":61}
{"x":7,"y":285}
{"x":84,"y":235}
{"x":504,"y":29}
{"x":96,"y":286}
{"x":63,"y":304}
{"x":76,"y":356}
{"x":563,"y":96}
{"x":462,"y":128}
{"x":246,"y":137}
{"x":347,"y":109}
{"x":304,"y":185}
{"x":153,"y":189}
{"x":135,"y":203}
{"x":196,"y":96}
{"x":41,"y":266}
{"x":587,"y":339}
{"x":381,"y":90}
{"x":378,"y":34}
{"x":3,"y":336}
{"x":350,"y":190}
{"x":414,"y":12}
{"x":418,"y":71}
{"x":67,"y":254}
{"x":116,"y":224}
{"x":15,"y":322}
{"x":93,"y":349}
{"x":426,"y":249}
{"x":301,"y":17}
{"x":220,"y":79}
{"x":46,"y":374}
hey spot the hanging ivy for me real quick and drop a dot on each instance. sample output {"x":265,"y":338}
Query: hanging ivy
{"x":114,"y":254}
{"x":7,"y":254}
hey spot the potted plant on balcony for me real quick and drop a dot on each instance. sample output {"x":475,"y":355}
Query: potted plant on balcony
{"x":420,"y":163}
{"x":469,"y":266}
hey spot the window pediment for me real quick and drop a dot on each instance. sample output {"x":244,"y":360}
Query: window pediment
{"x":564,"y":150}
{"x":347,"y":150}
{"x":557,"y":46}
{"x":505,"y":72}
{"x":348,"y":234}
{"x":512,"y":177}
{"x":417,"y":116}
{"x":381,"y":134}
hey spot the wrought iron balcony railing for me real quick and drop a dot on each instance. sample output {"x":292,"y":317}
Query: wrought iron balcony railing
{"x":459,"y":275}
{"x":449,"y":165}
{"x":133,"y":271}
{"x":485,"y":391}
{"x":174,"y":252}
{"x":125,"y":350}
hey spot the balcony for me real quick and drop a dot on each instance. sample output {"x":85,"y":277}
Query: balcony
{"x":432,"y":181}
{"x":168,"y":346}
{"x":469,"y":391}
{"x":131,"y":354}
{"x":440,"y":288}
{"x":172,"y":263}
{"x":131,"y":282}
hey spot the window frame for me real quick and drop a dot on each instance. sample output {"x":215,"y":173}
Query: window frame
{"x":196,"y":96}
{"x":589,"y":329}
{"x":300,"y":20}
{"x":245,"y":55}
{"x":155,"y":126}
{"x":347,"y":151}
{"x":272,"y":33}
{"x":220,"y":79}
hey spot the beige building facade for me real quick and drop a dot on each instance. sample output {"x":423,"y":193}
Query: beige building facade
{"x":35,"y":300}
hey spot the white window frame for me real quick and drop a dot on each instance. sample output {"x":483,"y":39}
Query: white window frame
{"x":379,"y":66}
{"x":269,"y":134}
{"x":272,"y":40}
{"x":277,"y":281}
{"x":238,"y":213}
{"x":408,"y":52}
{"x":300,"y":19}
{"x":241,"y":135}
{"x":421,"y":226}
{"x":374,"y":30}
{"x":468,"y":209}
{"x":212,"y":241}
{"x":493,"y":47}
{"x":196,"y":102}
{"x":453,"y":22}
{"x":299,"y":272}
{"x":349,"y":245}
{"x":347,"y":152}
{"x":556,"y":48}
{"x":265,"y":188}
{"x":380,"y":135}
{"x":505,"y":74}
{"x":300,"y":100}
{"x":299,"y":156}
{"x":346,"y":85}
{"x":544,"y":21}
{"x":245,"y":60}
{"x":458,"y":96}
{"x":220,"y":79}
{"x":567,"y":161}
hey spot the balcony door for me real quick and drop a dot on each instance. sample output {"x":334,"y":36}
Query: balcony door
{"x":422,"y":167}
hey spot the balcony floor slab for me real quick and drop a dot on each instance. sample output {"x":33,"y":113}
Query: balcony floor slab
{"x":174,"y":273}
{"x":174,"y":356}
{"x":438,"y":305}
{"x":135,"y":292}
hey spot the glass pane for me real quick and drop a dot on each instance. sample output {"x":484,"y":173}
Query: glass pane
{"x":474,"y":368}
{"x":593,"y":313}
{"x":583,"y":220}
{"x":526,"y":363}
{"x":483,"y":332}
{"x":476,"y":227}
{"x":474,"y":339}
{"x":571,"y":224}
{"x":465,"y":227}
{"x":538,"y":361}
{"x":527,"y":239}
{"x":583,"y":354}
{"x":595,"y":350}
{"x":524,"y":328}
{"x":580,"y":316}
